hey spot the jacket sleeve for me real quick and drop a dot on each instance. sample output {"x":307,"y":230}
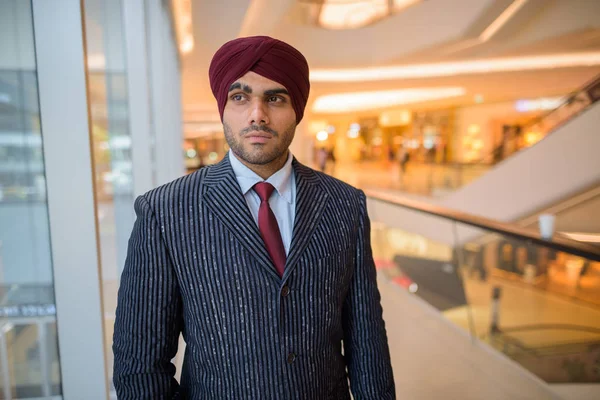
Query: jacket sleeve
{"x":149,"y":315}
{"x":365,"y":342}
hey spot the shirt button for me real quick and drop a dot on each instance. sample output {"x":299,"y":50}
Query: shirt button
{"x":285,"y":291}
{"x":291,"y":358}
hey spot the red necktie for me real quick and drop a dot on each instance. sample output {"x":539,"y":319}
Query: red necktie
{"x":267,"y":224}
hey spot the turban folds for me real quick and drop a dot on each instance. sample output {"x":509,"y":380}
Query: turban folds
{"x":268,"y":57}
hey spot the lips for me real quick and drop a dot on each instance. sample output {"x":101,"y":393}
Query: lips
{"x":258,"y":138}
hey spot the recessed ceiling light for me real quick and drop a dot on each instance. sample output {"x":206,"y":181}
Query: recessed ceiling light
{"x":484,"y":66}
{"x":322,"y":136}
{"x":362,"y":101}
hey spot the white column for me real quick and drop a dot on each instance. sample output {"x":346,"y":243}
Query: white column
{"x":165,"y":94}
{"x":59,"y":37}
{"x":138,"y":90}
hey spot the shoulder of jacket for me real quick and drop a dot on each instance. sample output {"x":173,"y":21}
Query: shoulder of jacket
{"x":169,"y":191}
{"x":337,"y":187}
{"x":341,"y":193}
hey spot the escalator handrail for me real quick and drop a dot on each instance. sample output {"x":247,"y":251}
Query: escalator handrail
{"x":558,"y":242}
{"x":594,"y":83}
{"x":567,"y":100}
{"x":547,"y":326}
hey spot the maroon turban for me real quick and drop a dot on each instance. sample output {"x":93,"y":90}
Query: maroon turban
{"x":268,"y":57}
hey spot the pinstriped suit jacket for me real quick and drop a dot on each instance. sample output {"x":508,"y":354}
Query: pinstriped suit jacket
{"x":196,"y":263}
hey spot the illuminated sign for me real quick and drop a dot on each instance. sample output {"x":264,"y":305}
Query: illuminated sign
{"x":544,"y":103}
{"x":28,"y":310}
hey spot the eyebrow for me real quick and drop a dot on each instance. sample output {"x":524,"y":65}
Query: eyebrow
{"x":248,"y":89}
{"x":238,"y":85}
{"x":272,"y":92}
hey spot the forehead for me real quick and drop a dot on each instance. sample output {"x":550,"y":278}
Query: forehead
{"x":258,"y":82}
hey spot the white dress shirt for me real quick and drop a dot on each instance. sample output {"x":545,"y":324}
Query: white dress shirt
{"x":282,"y":201}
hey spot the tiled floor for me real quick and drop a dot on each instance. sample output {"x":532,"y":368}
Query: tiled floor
{"x":521,"y":305}
{"x":419,"y":178}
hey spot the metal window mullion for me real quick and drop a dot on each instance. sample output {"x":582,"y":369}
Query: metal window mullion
{"x":7,"y":390}
{"x":44,"y":363}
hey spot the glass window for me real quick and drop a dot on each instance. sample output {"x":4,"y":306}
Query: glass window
{"x":111,"y":146}
{"x":29,"y":361}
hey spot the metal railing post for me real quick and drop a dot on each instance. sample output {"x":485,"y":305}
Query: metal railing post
{"x":495,"y":311}
{"x":43,"y":343}
{"x":4,"y":362}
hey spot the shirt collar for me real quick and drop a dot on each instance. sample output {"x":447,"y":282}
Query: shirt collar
{"x":281,"y":180}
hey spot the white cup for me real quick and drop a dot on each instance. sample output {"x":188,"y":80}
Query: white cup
{"x":546,"y":224}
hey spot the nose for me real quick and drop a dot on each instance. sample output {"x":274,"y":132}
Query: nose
{"x":258,"y":113}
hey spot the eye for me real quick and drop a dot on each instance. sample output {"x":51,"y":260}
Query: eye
{"x":275,"y":99}
{"x":237,"y":97}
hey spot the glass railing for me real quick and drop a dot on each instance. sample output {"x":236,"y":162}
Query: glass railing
{"x":535,"y":300}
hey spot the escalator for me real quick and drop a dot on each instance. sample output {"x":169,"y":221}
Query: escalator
{"x":564,"y":163}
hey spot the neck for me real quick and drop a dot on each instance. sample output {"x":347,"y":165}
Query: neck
{"x":266,"y":170}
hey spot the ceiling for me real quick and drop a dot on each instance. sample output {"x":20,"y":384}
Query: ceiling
{"x":430,"y":32}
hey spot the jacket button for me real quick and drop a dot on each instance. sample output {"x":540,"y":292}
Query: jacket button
{"x":285,"y":291}
{"x":291,"y":358}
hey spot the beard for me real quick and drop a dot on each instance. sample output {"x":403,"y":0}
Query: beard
{"x":259,"y":154}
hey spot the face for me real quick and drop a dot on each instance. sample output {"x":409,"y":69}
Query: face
{"x":259,"y":120}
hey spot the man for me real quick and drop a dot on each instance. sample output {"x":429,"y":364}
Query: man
{"x":264,"y":264}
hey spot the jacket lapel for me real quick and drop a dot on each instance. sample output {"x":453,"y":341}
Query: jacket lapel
{"x":311,"y":199}
{"x":225,"y":199}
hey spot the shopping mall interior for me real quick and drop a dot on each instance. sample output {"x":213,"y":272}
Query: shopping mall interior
{"x":471,"y":126}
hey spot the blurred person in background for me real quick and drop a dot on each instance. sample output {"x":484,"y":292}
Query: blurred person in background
{"x":331,"y":158}
{"x":403,"y":158}
{"x":322,"y":159}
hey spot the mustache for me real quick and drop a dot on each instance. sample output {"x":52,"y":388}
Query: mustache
{"x":258,"y":128}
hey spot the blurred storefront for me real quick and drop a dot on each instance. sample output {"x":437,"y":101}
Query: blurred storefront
{"x":202,"y":151}
{"x":204,"y":144}
{"x":478,"y":133}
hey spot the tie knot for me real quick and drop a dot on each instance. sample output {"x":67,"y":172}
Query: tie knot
{"x":264,"y":190}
